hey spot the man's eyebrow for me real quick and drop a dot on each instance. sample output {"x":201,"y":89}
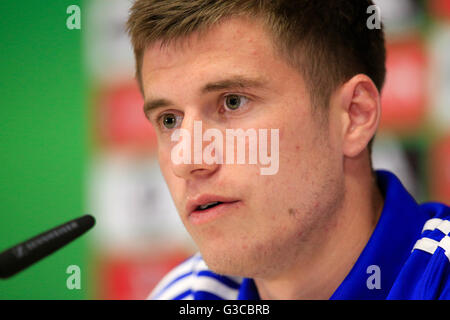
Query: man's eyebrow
{"x":155,"y":104}
{"x":236,"y":82}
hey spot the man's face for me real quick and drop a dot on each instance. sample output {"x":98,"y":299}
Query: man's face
{"x":264,"y":221}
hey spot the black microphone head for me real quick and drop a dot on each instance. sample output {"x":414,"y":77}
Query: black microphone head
{"x":24,"y":254}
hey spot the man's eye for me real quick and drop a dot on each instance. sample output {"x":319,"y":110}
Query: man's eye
{"x":169,"y":120}
{"x":234,"y":101}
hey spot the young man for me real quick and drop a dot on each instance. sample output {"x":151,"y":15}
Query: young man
{"x":322,"y":224}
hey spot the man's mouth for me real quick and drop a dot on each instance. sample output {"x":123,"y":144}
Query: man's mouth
{"x":208,"y":205}
{"x":205,"y":207}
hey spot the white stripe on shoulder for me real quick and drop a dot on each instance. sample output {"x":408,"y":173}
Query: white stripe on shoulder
{"x":185,"y":280}
{"x":195,"y":283}
{"x":427,"y":245}
{"x":430,"y":245}
{"x":176,"y":288}
{"x":436,"y":223}
{"x":445,"y":244}
{"x":215,"y":287}
{"x":444,"y":227}
{"x":192,"y":264}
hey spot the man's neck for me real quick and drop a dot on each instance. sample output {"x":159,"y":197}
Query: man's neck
{"x":341,"y":242}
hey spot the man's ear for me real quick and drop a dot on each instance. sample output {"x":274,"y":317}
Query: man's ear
{"x":360,"y":107}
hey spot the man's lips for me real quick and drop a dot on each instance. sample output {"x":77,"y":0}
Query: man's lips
{"x":195,"y":205}
{"x":198,"y":216}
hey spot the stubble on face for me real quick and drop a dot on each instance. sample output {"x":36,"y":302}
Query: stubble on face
{"x":293,"y":231}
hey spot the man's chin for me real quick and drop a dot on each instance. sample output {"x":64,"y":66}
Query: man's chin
{"x":228,"y":263}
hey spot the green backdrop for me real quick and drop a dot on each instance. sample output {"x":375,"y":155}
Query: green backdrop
{"x":42,"y":141}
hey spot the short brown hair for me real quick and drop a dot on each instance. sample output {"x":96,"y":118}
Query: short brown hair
{"x":328,"y":41}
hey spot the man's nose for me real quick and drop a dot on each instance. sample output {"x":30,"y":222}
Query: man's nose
{"x":196,"y":167}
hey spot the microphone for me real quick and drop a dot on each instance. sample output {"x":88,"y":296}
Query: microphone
{"x":24,"y":254}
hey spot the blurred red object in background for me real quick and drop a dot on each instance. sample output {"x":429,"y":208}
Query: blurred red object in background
{"x":128,"y":277}
{"x":121,"y":122}
{"x":440,"y":8}
{"x":440,"y":171}
{"x":404,"y":94}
